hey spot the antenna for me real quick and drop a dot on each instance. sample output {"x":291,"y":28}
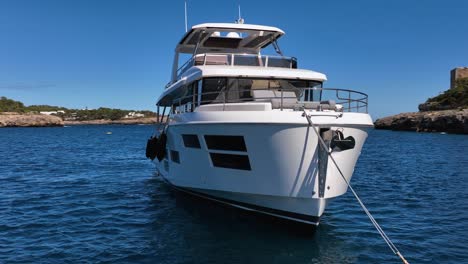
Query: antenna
{"x":240,"y":20}
{"x":185,"y":5}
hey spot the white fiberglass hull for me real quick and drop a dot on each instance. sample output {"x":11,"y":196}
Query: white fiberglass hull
{"x":278,"y":169}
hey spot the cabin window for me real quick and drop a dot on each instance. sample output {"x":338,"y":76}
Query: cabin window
{"x":230,"y":161}
{"x":186,"y":99}
{"x":307,"y":94}
{"x":314,"y":95}
{"x":191,"y":141}
{"x":213,"y":90}
{"x":199,"y":87}
{"x":237,"y":90}
{"x":230,"y":143}
{"x":175,"y":156}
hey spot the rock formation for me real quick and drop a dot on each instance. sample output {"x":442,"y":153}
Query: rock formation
{"x":29,"y":120}
{"x":450,"y":121}
{"x":447,"y":112}
{"x":127,"y":121}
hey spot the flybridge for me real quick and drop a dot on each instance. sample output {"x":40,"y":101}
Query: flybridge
{"x":228,"y":38}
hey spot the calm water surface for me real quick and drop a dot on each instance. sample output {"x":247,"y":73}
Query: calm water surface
{"x":75,"y":194}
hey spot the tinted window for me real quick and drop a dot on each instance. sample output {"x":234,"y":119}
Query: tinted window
{"x":248,"y":60}
{"x":239,"y":162}
{"x":191,"y":141}
{"x":213,"y":90}
{"x":279,"y":62}
{"x":239,"y":90}
{"x":175,"y":156}
{"x":232,"y":143}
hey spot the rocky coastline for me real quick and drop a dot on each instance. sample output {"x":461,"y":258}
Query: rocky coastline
{"x":29,"y":120}
{"x":8,"y":119}
{"x":127,"y":121}
{"x":448,"y":121}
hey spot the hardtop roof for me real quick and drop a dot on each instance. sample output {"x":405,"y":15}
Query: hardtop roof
{"x":228,"y":37}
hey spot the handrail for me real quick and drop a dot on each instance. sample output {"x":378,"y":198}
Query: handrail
{"x":290,"y":62}
{"x":354,"y":102}
{"x":185,"y":66}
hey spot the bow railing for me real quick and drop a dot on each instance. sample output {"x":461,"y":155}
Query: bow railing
{"x":298,"y":99}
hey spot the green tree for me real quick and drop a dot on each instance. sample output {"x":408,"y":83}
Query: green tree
{"x":9,"y":105}
{"x":456,"y":97}
{"x":40,"y":108}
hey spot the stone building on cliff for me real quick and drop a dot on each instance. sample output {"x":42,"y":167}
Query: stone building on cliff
{"x":457,"y":73}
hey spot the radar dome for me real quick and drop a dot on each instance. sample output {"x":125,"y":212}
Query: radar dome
{"x":233,"y":35}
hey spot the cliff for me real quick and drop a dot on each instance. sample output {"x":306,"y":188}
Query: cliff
{"x":29,"y":120}
{"x":454,"y":98}
{"x":450,"y":121}
{"x":12,"y":119}
{"x":447,"y":112}
{"x":128,"y":121}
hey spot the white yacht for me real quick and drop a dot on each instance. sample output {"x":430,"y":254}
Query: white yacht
{"x":245,"y":129}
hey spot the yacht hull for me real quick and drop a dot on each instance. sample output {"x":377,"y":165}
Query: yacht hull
{"x":250,"y":202}
{"x":275,"y":168}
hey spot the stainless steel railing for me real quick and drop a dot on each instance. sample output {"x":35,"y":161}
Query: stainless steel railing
{"x":233,"y":59}
{"x":349,"y":100}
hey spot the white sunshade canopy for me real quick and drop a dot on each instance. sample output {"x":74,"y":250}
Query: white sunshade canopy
{"x":228,"y":37}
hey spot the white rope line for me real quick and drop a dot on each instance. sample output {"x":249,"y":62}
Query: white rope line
{"x":372,"y":219}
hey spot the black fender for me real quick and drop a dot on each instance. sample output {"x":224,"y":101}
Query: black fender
{"x":151,"y":148}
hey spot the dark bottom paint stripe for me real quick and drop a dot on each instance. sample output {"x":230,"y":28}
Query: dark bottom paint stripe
{"x":289,"y":215}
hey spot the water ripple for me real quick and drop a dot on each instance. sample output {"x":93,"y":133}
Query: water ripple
{"x":78,"y":195}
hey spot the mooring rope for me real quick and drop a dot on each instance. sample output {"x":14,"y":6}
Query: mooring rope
{"x":372,"y":219}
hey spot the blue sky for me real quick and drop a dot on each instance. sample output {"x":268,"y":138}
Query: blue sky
{"x":119,"y":53}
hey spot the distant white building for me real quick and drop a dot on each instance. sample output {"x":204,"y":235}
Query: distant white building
{"x":52,"y":112}
{"x":134,"y":115}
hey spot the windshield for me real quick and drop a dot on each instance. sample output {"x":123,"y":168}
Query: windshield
{"x":218,"y":90}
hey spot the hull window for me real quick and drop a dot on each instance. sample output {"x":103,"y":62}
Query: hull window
{"x":230,"y":161}
{"x":191,"y":141}
{"x":175,"y":156}
{"x":231,"y":143}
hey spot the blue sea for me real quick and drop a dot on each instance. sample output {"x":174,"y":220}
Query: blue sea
{"x":78,"y":195}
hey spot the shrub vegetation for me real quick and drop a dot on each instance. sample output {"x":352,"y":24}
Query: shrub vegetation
{"x":454,"y":98}
{"x":9,"y":105}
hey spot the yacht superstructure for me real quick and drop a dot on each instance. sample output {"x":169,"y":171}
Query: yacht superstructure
{"x":237,"y":130}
